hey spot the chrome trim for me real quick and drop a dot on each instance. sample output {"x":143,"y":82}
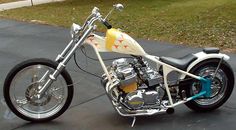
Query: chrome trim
{"x":132,"y":113}
{"x":65,"y":61}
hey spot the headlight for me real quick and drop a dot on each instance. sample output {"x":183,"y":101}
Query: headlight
{"x":75,"y":29}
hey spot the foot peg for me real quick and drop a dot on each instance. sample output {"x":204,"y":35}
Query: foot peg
{"x":170,"y":111}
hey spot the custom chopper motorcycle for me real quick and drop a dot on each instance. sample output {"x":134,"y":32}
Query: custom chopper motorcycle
{"x":40,"y":90}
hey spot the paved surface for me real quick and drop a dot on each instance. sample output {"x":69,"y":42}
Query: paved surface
{"x":90,"y":108}
{"x":23,"y":3}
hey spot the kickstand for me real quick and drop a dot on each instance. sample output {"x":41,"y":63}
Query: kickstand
{"x":134,"y":120}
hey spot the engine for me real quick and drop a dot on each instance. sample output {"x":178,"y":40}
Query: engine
{"x":139,"y":85}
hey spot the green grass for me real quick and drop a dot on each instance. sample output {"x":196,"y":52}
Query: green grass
{"x":191,"y":22}
{"x":6,"y":1}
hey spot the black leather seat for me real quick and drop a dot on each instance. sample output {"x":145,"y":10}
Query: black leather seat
{"x":180,"y":63}
{"x":211,"y":50}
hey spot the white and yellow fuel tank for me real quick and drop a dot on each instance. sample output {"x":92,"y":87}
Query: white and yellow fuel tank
{"x":116,"y":41}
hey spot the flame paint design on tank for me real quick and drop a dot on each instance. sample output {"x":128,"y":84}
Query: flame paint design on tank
{"x":116,"y":41}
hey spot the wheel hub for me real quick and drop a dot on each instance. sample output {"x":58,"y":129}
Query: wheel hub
{"x":216,"y":83}
{"x":32,"y":95}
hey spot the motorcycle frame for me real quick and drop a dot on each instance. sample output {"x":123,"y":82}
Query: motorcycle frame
{"x":70,"y":49}
{"x":206,"y":91}
{"x":77,"y":42}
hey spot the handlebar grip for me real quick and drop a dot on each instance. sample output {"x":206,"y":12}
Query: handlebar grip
{"x":109,"y":26}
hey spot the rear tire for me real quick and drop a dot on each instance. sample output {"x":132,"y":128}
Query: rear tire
{"x":224,"y":71}
{"x":55,"y":112}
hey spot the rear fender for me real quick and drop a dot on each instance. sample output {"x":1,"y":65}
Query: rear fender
{"x":201,"y":56}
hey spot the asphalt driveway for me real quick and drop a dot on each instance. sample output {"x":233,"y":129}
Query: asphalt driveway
{"x":91,"y":108}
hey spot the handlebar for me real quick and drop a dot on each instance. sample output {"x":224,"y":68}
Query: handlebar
{"x":95,"y":15}
{"x":108,"y":25}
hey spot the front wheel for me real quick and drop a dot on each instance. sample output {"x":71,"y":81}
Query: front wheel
{"x":222,"y":83}
{"x":21,"y":85}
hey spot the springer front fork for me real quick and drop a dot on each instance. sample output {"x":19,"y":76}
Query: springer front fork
{"x":62,"y":59}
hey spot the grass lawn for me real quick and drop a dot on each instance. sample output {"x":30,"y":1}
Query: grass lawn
{"x":191,"y":22}
{"x":6,"y":1}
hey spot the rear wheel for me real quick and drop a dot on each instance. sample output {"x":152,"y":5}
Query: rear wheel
{"x":20,"y":91}
{"x":222,"y":83}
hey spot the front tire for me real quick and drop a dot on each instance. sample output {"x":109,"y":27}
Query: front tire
{"x":222,"y":85}
{"x":20,"y":86}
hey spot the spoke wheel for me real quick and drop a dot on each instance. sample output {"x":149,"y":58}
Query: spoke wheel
{"x":21,"y":91}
